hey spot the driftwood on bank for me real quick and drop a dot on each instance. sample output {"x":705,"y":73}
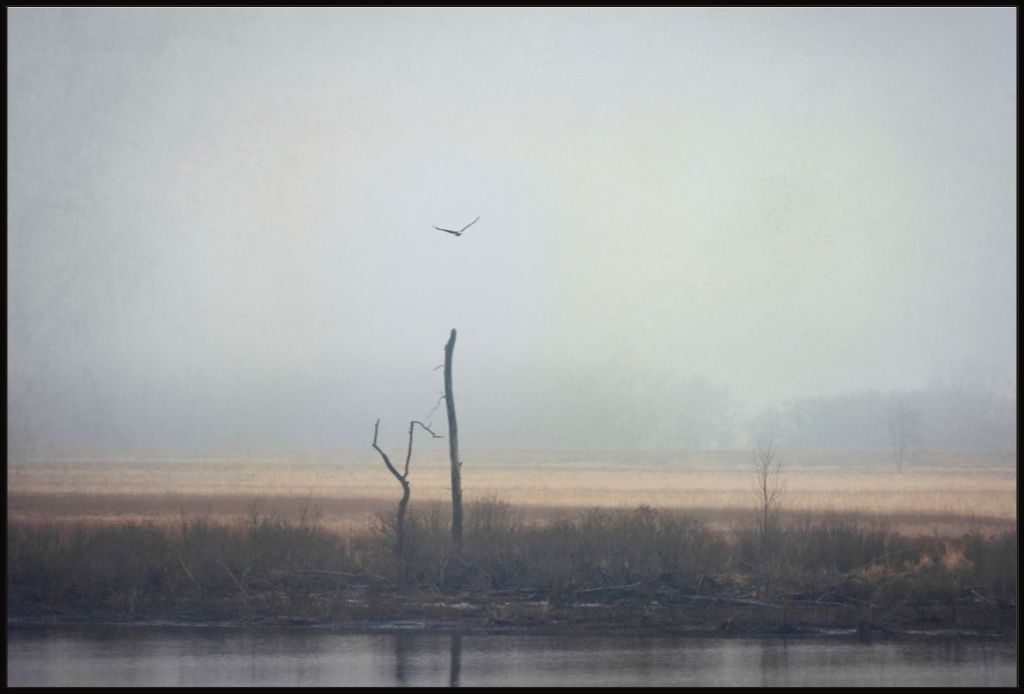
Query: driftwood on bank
{"x":745,"y":602}
{"x":603,"y":589}
{"x":342,"y":574}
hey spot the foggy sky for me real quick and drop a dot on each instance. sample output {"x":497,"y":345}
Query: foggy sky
{"x":219,"y":220}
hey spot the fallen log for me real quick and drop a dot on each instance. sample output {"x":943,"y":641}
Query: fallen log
{"x":746,"y":602}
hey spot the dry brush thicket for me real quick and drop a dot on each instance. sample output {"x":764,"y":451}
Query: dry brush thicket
{"x":177,"y":553}
{"x":274,"y":565}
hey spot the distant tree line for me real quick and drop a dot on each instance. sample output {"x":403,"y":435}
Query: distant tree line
{"x":645,"y":411}
{"x":959,"y":413}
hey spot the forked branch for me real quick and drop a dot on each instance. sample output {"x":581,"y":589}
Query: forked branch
{"x":402,"y":477}
{"x":387,"y":461}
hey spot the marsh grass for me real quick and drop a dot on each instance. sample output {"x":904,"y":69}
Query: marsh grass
{"x":244,"y":538}
{"x":275,"y":564}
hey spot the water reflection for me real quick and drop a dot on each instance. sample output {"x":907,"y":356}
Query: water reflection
{"x":774,"y":660}
{"x":455,"y":662}
{"x":166,"y":656}
{"x":402,"y":647}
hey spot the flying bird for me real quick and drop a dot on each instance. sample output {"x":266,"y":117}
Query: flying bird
{"x":459,"y":232}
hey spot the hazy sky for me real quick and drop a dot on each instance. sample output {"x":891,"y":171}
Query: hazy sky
{"x":219,"y":220}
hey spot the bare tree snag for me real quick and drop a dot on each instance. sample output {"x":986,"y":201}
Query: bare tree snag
{"x":403,"y":479}
{"x":769,"y":486}
{"x":453,"y":447}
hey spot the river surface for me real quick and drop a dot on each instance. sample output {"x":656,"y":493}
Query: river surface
{"x":126,"y":656}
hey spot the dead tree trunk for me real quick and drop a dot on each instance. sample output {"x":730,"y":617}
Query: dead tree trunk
{"x":403,"y":479}
{"x":453,"y":447}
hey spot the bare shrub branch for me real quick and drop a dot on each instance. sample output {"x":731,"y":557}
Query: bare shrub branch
{"x":408,"y":453}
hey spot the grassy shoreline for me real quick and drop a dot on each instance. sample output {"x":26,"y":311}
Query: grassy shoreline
{"x":595,"y":569}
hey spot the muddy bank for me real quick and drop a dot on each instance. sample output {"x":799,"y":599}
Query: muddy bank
{"x":377,"y":611}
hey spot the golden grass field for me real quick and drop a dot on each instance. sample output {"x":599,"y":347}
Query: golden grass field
{"x":941,"y":494}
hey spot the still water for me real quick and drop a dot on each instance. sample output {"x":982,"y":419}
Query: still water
{"x":122,"y":656}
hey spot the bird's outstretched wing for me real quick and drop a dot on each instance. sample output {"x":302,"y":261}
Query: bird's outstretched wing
{"x":459,"y":232}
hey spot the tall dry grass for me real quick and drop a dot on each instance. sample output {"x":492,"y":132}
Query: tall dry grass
{"x":940,"y":494}
{"x":245,"y":536}
{"x":270,"y":563}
